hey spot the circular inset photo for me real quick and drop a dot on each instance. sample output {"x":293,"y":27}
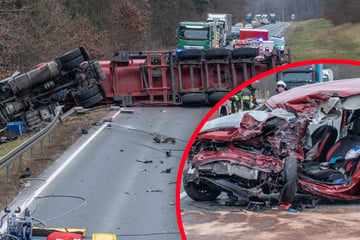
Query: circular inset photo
{"x":276,"y":158}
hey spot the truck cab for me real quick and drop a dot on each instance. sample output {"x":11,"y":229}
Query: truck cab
{"x":197,"y":35}
{"x":298,"y":76}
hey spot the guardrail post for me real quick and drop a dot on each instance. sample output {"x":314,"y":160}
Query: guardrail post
{"x":42,"y":146}
{"x":32,"y":153}
{"x":8,"y":172}
{"x":20,"y":161}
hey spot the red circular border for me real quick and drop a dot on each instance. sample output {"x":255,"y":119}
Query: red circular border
{"x":222,"y":101}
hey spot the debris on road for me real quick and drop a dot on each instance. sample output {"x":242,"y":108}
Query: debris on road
{"x":168,"y":153}
{"x":146,"y":161}
{"x":168,"y":170}
{"x":157,"y":139}
{"x":154,"y":190}
{"x":84,"y":131}
{"x":124,"y":110}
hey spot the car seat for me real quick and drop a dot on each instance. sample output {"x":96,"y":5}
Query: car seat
{"x":335,"y":168}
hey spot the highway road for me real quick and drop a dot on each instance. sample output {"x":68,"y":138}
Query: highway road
{"x":275,"y":29}
{"x":117,"y":179}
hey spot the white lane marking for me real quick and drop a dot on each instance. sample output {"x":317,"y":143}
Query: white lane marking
{"x":182,"y":195}
{"x":58,"y":171}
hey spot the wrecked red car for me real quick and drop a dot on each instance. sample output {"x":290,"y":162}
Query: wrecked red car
{"x":304,"y":140}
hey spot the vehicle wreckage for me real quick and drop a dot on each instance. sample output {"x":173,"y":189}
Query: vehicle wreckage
{"x":306,"y":140}
{"x":32,"y":97}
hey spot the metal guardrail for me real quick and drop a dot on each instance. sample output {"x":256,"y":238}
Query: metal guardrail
{"x":6,"y":160}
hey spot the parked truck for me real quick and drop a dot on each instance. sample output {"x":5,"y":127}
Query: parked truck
{"x":197,"y":35}
{"x":303,"y":75}
{"x":223,"y":21}
{"x":272,"y":18}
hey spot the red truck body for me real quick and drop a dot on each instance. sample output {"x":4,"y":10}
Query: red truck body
{"x":142,"y":80}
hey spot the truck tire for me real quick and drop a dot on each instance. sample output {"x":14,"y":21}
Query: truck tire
{"x":70,"y":55}
{"x":90,"y":101}
{"x":290,"y":180}
{"x":219,"y":53}
{"x":190,"y":54}
{"x":245,"y":52}
{"x":88,"y":93}
{"x":216,"y":97}
{"x":201,"y":192}
{"x":72,"y":63}
{"x":194,"y":99}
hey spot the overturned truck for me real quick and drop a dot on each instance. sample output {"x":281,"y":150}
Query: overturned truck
{"x":33,"y":96}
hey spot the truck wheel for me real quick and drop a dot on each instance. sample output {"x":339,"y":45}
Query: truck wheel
{"x":290,"y":177}
{"x":245,"y":52}
{"x":73,"y":63}
{"x":216,"y":97}
{"x":201,"y":192}
{"x":218,"y":53}
{"x":190,"y":54}
{"x":88,"y":93}
{"x":70,"y":55}
{"x":90,"y":101}
{"x":194,"y":99}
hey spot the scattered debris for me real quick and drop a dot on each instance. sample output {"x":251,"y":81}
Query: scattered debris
{"x":172,"y":182}
{"x":172,"y":203}
{"x":168,"y":153}
{"x":165,"y":140}
{"x":123,"y":110}
{"x":161,"y":161}
{"x":168,"y":170}
{"x":154,"y":190}
{"x":81,"y":110}
{"x":84,"y":131}
{"x":96,"y":124}
{"x":146,"y":161}
{"x":26,"y":174}
{"x":127,"y":193}
{"x":121,"y":150}
{"x":157,"y":139}
{"x":108,"y":119}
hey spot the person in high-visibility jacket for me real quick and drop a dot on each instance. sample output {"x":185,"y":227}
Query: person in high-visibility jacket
{"x":244,"y":100}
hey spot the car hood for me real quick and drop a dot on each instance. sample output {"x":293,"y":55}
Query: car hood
{"x":246,"y":125}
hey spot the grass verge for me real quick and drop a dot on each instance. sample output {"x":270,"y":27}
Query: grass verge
{"x":320,"y":39}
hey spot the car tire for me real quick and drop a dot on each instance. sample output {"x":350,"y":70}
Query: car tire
{"x":190,"y":54}
{"x":245,"y":52}
{"x":216,"y":97}
{"x":218,"y":53}
{"x":290,"y":180}
{"x":201,"y":192}
{"x":194,"y":99}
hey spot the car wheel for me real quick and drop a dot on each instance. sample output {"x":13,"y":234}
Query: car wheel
{"x":201,"y":192}
{"x":290,"y":180}
{"x":218,"y":53}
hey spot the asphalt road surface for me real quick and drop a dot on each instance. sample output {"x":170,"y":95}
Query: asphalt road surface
{"x":275,"y":29}
{"x":119,"y":180}
{"x":215,"y":220}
